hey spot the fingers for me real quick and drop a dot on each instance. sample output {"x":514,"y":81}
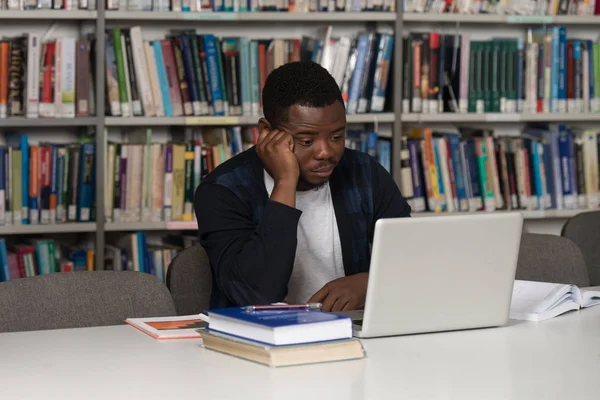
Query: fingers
{"x":320,"y":296}
{"x":340,"y":304}
{"x":329,"y":302}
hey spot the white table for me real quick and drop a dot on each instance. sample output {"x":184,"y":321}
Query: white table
{"x":554,"y":359}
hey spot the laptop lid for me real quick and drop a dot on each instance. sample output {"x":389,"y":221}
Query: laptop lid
{"x":441,"y":272}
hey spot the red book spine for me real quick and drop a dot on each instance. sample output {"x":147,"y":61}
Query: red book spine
{"x":570,"y":75}
{"x":172,"y":79}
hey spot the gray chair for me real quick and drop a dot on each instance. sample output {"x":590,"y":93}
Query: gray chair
{"x":551,"y":258}
{"x":189,"y":278}
{"x":81,"y":299}
{"x":584,"y":230}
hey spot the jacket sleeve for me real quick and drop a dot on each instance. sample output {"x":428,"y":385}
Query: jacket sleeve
{"x":388,"y":202}
{"x":251,"y":264}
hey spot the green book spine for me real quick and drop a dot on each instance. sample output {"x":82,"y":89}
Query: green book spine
{"x":407,"y":75}
{"x":121,"y":72}
{"x":188,"y":205}
{"x":222,"y":75}
{"x":500,"y":76}
{"x":52,"y":256}
{"x":473,"y":76}
{"x":198,"y":71}
{"x":488,"y":75}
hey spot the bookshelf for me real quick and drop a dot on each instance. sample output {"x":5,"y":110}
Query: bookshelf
{"x":396,"y":21}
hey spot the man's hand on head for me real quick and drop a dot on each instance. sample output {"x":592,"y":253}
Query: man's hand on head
{"x":343,"y":294}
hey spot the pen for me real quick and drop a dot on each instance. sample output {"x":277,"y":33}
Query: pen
{"x":308,"y":306}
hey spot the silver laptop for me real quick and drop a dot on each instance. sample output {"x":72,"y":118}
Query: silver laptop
{"x":440,"y":273}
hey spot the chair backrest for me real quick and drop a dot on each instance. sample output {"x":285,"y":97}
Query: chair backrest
{"x":584,"y":230}
{"x":551,"y":258}
{"x":189,"y":278}
{"x":81,"y":299}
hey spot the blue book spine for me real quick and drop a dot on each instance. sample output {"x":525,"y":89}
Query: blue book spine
{"x":554,"y":69}
{"x":549,"y":170}
{"x":591,"y":75}
{"x":85,"y":196}
{"x":578,"y":75}
{"x":244,"y":46}
{"x":218,"y":6}
{"x":140,"y":250}
{"x":53,"y":182}
{"x":214,"y":79}
{"x":439,"y":175}
{"x":557,"y":197}
{"x":356,"y":82}
{"x":24,"y":179}
{"x":418,"y":180}
{"x":572,"y":164}
{"x":79,"y":260}
{"x":459,"y":177}
{"x":149,"y":261}
{"x":4,"y":269}
{"x":162,"y":78}
{"x":190,"y":75}
{"x":562,"y":71}
{"x":565,"y":164}
{"x":384,"y":57}
{"x":384,"y":154}
{"x":520,"y":75}
{"x":40,"y":248}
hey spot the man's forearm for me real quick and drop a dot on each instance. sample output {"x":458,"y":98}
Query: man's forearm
{"x":284,"y":192}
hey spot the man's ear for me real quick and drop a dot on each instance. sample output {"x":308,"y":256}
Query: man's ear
{"x":263,"y":124}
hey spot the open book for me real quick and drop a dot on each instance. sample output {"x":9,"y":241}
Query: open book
{"x":537,"y":301}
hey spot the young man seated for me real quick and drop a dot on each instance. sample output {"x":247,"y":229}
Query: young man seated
{"x":292,"y":219}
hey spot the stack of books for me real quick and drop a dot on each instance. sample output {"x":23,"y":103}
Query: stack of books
{"x":281,"y":336}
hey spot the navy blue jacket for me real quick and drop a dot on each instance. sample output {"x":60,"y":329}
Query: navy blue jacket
{"x":251,"y":240}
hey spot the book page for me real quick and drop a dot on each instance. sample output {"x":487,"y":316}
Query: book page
{"x":590,"y":297}
{"x":533,"y":298}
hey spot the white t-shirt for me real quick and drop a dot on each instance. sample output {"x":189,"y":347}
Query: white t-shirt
{"x":319,"y":251}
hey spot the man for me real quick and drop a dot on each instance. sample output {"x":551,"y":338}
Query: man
{"x":292,"y":219}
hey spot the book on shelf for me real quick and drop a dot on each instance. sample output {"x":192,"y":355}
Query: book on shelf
{"x":24,"y":258}
{"x":285,"y":355}
{"x":46,"y":183}
{"x":167,"y":328}
{"x":538,"y":301}
{"x":545,"y":71}
{"x":250,"y":6}
{"x":66,"y":5}
{"x":467,"y":170}
{"x":153,"y":182}
{"x":46,"y":79}
{"x":505,"y":7}
{"x":136,"y":252}
{"x":187,"y":74}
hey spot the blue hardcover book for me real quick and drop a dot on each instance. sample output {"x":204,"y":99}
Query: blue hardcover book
{"x":473,"y":167}
{"x":141,"y":251}
{"x":190,"y":75}
{"x":276,"y":326}
{"x":537,"y":176}
{"x":565,"y":166}
{"x":554,"y":107}
{"x":591,"y":75}
{"x":380,"y":81}
{"x":549,"y":171}
{"x":562,"y":70}
{"x":25,"y":179}
{"x":85,"y":198}
{"x":384,"y":152}
{"x":162,"y":78}
{"x":577,"y":103}
{"x":357,"y":75}
{"x":555,"y":167}
{"x":459,"y":177}
{"x":4,"y":269}
{"x":214,"y":75}
{"x":572,"y":166}
{"x":418,"y":180}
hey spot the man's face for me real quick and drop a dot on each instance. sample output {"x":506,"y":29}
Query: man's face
{"x":319,"y":140}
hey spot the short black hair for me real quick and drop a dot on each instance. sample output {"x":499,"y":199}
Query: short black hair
{"x":304,"y":83}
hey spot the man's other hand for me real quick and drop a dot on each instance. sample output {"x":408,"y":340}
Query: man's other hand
{"x":343,"y":294}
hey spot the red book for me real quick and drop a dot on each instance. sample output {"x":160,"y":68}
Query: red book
{"x":570,"y":75}
{"x":172,"y":79}
{"x":47,"y":81}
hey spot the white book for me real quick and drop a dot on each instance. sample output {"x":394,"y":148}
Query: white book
{"x":160,"y":328}
{"x":58,"y":78}
{"x":140,"y":65}
{"x":442,"y":146}
{"x":33,"y":76}
{"x":67,"y":70}
{"x":538,"y":301}
{"x":168,"y":185}
{"x":153,"y":79}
